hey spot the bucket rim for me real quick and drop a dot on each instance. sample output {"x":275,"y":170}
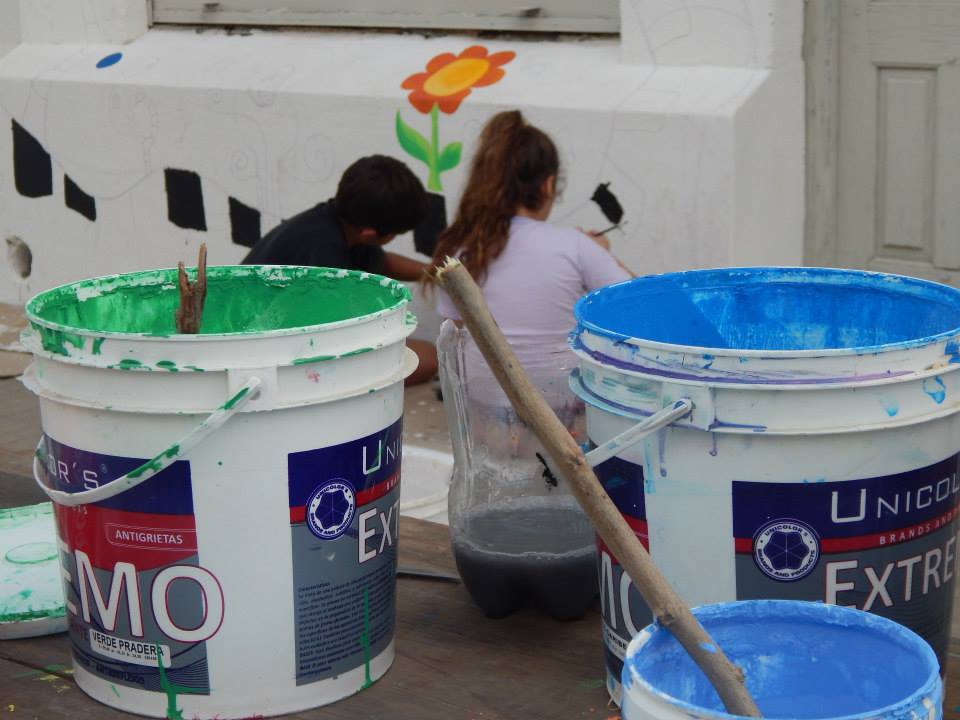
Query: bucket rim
{"x":834,"y":614}
{"x":582,"y":324}
{"x":397,"y":288}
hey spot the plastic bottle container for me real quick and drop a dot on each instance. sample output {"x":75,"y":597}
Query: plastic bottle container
{"x":519,"y":537}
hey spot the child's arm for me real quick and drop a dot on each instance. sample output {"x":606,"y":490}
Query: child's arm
{"x":403,"y":268}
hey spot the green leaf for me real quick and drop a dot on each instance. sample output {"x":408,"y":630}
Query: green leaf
{"x":450,"y":157}
{"x":412,"y":141}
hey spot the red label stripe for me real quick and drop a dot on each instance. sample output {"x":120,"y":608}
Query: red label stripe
{"x":873,"y":540}
{"x":298,"y":514}
{"x":639,"y":528}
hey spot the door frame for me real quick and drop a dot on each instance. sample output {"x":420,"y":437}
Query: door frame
{"x":821,"y":54}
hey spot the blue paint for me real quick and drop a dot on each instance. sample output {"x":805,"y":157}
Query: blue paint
{"x":111,"y":59}
{"x":774,"y":309}
{"x":935,"y":388}
{"x":891,"y":407}
{"x":709,"y":647}
{"x":801,"y":660}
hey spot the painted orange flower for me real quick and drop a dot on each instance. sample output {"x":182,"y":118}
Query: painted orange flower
{"x":449,"y":78}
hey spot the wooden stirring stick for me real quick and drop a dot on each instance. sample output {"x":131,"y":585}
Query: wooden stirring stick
{"x":192,"y":295}
{"x":669,"y":610}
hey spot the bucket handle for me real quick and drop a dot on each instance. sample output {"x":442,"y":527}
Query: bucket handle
{"x":631,"y":436}
{"x":158,"y":463}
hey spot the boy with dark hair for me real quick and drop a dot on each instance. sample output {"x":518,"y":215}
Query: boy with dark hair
{"x":377,"y":198}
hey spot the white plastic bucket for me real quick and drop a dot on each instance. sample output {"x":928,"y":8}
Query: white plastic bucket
{"x":819,"y":461}
{"x":227,"y":503}
{"x":801,"y":660}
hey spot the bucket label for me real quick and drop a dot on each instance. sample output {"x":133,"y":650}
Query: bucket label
{"x":140,"y":605}
{"x":344,"y":521}
{"x":887,"y":545}
{"x":624,"y":611}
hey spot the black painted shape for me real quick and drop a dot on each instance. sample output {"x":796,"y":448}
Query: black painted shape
{"x":609,"y":205}
{"x":77,"y":199}
{"x":244,"y":224}
{"x":32,"y":170}
{"x":435,"y":222}
{"x":185,"y":199}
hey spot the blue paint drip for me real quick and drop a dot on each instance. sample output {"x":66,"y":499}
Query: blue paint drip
{"x":801,"y":660}
{"x":952,"y":349}
{"x":111,"y":59}
{"x":891,"y":407}
{"x":935,"y":388}
{"x":775,"y":309}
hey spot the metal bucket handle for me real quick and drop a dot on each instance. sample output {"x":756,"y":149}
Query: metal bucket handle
{"x":159,"y":462}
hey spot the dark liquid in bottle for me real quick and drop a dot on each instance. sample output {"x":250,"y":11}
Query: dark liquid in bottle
{"x":529,"y":552}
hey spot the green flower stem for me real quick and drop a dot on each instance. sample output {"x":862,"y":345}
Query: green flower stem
{"x":433,"y":181}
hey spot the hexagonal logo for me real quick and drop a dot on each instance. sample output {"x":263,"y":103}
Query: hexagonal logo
{"x":786,"y":550}
{"x":331,"y":508}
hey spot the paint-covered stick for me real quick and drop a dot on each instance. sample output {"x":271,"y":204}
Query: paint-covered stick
{"x":669,"y":610}
{"x":192,"y":295}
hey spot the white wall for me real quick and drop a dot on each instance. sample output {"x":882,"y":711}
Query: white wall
{"x":695,"y":119}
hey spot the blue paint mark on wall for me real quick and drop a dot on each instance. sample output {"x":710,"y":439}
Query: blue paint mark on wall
{"x":111,"y":59}
{"x":935,"y":388}
{"x":776,"y":309}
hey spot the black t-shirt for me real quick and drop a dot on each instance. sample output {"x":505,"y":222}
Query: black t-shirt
{"x":314,"y":237}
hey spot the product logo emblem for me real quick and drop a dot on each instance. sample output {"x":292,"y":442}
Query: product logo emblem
{"x":330,"y":509}
{"x":786,"y":550}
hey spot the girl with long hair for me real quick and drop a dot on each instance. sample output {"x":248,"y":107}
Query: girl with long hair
{"x":531,"y":272}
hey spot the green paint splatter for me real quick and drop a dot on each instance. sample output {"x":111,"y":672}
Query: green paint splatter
{"x":194,"y":368}
{"x":240,"y":299}
{"x":129,"y":364}
{"x":97,"y":344}
{"x":168,"y":365}
{"x":31,"y":553}
{"x":172,"y":451}
{"x":365,"y":640}
{"x":591,"y":684}
{"x":315,"y":358}
{"x":171,"y":689}
{"x":114,"y":688}
{"x":231,"y":403}
{"x":220,"y":462}
{"x":358,"y":351}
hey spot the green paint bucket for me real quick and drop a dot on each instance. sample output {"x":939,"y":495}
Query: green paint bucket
{"x":227,"y":502}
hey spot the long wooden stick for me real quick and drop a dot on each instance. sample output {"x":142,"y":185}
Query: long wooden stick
{"x":192,"y":295}
{"x":669,"y":610}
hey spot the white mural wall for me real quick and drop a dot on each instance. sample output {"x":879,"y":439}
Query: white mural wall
{"x":694,"y":116}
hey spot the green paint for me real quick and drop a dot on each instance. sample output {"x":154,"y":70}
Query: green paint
{"x":194,"y":368}
{"x":231,"y":403}
{"x":365,"y":640}
{"x":129,"y":364}
{"x":114,"y":688}
{"x":315,"y":358}
{"x":31,"y":553}
{"x":97,"y":344}
{"x":168,"y":365}
{"x":240,"y":300}
{"x":358,"y":351}
{"x":220,"y":462}
{"x":172,"y":451}
{"x":153,"y":465}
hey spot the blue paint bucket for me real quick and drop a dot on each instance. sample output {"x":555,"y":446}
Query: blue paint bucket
{"x":802,"y":660}
{"x":820,"y":459}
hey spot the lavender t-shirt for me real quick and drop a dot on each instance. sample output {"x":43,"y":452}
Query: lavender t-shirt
{"x":532,"y":285}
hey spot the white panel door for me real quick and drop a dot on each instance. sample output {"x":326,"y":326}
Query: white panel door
{"x":898,"y":139}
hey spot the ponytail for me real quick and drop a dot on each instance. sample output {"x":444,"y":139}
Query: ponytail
{"x":512,"y":162}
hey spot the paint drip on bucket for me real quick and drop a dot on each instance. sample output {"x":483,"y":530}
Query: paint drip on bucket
{"x":215,"y":543}
{"x":820,"y":460}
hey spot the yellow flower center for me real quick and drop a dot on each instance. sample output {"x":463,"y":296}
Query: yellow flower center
{"x":457,"y":76}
